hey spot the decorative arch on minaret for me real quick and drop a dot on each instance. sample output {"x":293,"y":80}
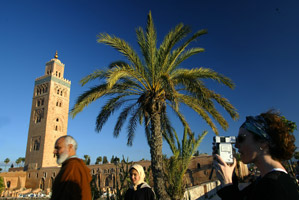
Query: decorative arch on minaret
{"x":58,"y":124}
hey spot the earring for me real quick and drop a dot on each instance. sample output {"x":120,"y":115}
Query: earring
{"x":261,"y":148}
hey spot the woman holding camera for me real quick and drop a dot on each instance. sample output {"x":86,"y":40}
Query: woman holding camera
{"x":264,"y":140}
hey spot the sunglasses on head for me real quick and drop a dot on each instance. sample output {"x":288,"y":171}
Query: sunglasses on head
{"x":241,"y":138}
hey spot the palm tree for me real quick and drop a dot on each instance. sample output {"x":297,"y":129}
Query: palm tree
{"x":146,"y":86}
{"x":98,"y":160}
{"x":23,"y":160}
{"x":105,"y":160}
{"x":87,"y":159}
{"x":177,"y":165}
{"x":18,"y":161}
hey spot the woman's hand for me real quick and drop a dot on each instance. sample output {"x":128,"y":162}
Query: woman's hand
{"x":224,"y":171}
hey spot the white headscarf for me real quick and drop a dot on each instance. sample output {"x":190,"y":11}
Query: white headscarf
{"x":141,"y":173}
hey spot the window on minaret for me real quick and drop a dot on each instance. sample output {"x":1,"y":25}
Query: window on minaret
{"x":36,"y":145}
{"x":42,"y":102}
{"x":59,"y":74}
{"x":56,"y":128}
{"x":57,"y":103}
{"x":39,"y":113}
{"x":58,"y":91}
{"x":56,"y":73}
{"x":38,"y":119}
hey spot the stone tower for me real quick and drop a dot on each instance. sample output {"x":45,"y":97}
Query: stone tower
{"x":49,"y":115}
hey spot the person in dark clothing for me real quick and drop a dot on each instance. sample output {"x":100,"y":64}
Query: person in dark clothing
{"x":139,"y":190}
{"x":264,"y":140}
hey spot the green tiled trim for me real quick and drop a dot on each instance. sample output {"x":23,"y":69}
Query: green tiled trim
{"x":52,"y":78}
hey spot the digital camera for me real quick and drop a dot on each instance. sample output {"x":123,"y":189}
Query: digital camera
{"x":224,"y":147}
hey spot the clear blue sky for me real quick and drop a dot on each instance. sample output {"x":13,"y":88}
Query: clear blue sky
{"x":255,"y":43}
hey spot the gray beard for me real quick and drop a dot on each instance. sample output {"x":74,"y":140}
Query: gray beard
{"x":62,"y":158}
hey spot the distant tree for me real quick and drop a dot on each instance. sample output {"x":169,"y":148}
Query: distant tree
{"x":98,"y":160}
{"x":6,"y":161}
{"x":86,"y":159}
{"x":23,"y":160}
{"x":0,"y":169}
{"x":105,"y":160}
{"x":112,"y":159}
{"x":115,"y":160}
{"x":196,"y":153}
{"x":18,"y":161}
{"x":123,"y":160}
{"x":12,"y":166}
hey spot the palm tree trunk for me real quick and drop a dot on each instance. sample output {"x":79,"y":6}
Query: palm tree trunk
{"x":156,"y":157}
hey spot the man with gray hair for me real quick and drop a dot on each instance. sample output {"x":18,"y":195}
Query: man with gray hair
{"x":73,"y":179}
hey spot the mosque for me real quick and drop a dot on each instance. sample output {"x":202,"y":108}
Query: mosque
{"x":49,"y":121}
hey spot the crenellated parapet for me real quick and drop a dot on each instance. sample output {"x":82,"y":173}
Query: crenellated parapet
{"x":52,"y":76}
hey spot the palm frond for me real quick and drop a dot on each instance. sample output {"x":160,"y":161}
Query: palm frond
{"x":87,"y":97}
{"x":132,"y":125}
{"x":118,"y":63}
{"x":194,"y":104}
{"x":177,"y":52}
{"x":168,"y":85}
{"x":202,"y":73}
{"x":208,"y":105}
{"x":186,"y":54}
{"x":225,"y":104}
{"x":142,"y":43}
{"x":124,"y":72}
{"x":170,"y":142}
{"x":172,"y":38}
{"x":181,"y":117}
{"x":112,"y":105}
{"x":121,"y":119}
{"x":96,"y":74}
{"x":166,"y":126}
{"x":151,"y":42}
{"x":124,"y":48}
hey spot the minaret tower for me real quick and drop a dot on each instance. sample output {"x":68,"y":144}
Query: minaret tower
{"x":49,"y":115}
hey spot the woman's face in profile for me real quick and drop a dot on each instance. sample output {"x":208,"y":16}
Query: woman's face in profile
{"x":247,"y":146}
{"x":134,"y":176}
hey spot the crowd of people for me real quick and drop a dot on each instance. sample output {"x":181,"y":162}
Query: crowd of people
{"x":73,"y":180}
{"x":264,"y":140}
